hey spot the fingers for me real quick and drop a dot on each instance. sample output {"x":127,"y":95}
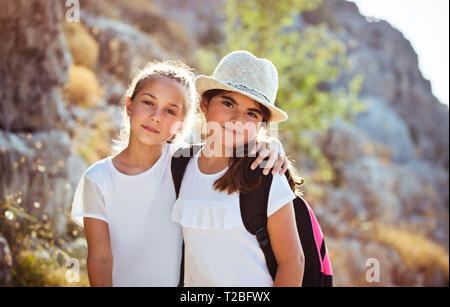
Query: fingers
{"x":275,"y":143}
{"x":285,"y":168}
{"x":278,"y":165}
{"x":263,"y":153}
{"x":273,"y":158}
{"x":277,"y":159}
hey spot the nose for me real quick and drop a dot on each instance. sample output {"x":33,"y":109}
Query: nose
{"x":236,"y":119}
{"x":155,"y":116}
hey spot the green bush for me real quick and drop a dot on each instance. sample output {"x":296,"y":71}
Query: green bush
{"x":308,"y":62}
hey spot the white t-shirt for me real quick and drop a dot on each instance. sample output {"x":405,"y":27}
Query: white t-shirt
{"x":219,"y":251}
{"x":145,"y":242}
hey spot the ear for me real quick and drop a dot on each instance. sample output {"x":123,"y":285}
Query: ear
{"x":204,"y":105}
{"x":129,"y":105}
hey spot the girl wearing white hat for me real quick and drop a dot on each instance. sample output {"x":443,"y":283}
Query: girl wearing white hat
{"x":236,"y":101}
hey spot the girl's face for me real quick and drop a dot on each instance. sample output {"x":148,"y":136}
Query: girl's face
{"x":232,"y":119}
{"x":156,"y":112}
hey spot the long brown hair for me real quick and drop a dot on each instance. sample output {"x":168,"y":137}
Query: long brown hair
{"x":239,"y":177}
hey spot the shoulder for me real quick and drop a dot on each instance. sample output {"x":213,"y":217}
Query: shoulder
{"x":280,"y":179}
{"x":96,"y":172}
{"x":280,"y":185}
{"x":280,"y":193}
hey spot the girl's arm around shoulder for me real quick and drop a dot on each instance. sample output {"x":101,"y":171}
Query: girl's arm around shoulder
{"x":99,"y":259}
{"x":286,"y":247}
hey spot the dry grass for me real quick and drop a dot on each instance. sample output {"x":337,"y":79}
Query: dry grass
{"x":94,"y":144}
{"x":83,"y":47}
{"x":83,"y":88}
{"x":33,"y":271}
{"x":38,"y":257}
{"x":418,"y":252}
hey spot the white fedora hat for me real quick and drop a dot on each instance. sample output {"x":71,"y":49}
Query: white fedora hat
{"x":242,"y":72}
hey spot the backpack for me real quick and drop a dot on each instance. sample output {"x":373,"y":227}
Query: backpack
{"x":253,"y":205}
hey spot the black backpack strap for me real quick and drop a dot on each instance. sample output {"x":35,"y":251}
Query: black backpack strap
{"x":253,"y":207}
{"x":180,"y":161}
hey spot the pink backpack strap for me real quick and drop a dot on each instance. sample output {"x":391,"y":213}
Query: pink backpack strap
{"x":325,"y":263}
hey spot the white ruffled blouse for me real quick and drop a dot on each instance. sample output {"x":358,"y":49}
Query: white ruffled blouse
{"x":219,"y":251}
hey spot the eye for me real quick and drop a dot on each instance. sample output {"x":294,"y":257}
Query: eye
{"x":227,"y":103}
{"x":148,"y":102}
{"x":253,"y":115}
{"x":171,"y":112}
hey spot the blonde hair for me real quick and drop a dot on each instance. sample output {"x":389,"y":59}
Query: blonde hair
{"x":174,"y":70}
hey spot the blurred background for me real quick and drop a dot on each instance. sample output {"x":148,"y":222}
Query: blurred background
{"x":365,"y":128}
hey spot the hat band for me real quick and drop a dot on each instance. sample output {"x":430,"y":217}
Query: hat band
{"x":243,"y":87}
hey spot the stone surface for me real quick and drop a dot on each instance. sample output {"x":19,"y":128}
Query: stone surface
{"x":123,"y":49}
{"x":33,"y":65}
{"x":391,"y":162}
{"x":40,"y":170}
{"x":391,"y":73}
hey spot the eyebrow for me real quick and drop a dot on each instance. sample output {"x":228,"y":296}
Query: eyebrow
{"x":148,"y":94}
{"x":172,"y":104}
{"x":234,"y":102}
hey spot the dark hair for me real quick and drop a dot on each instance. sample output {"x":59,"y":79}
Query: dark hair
{"x":238,"y":177}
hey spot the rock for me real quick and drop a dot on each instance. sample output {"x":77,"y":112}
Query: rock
{"x":34,"y":60}
{"x":5,"y":263}
{"x":373,"y":181}
{"x":123,"y":49}
{"x":391,"y":73}
{"x":354,"y":263}
{"x":392,"y":161}
{"x":205,"y":23}
{"x":385,"y":186}
{"x":114,"y":88}
{"x":344,"y":142}
{"x":40,"y":174}
{"x":383,"y":125}
{"x":423,"y":190}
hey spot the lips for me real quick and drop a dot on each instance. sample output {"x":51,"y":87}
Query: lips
{"x":150,"y":129}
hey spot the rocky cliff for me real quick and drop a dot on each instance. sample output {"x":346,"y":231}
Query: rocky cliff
{"x":389,"y":202}
{"x":37,"y":170}
{"x":392,"y":161}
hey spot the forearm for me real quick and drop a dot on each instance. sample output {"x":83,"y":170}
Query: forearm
{"x":290,"y":274}
{"x":100,"y":271}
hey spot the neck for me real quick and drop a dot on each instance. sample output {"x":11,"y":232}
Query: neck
{"x":140,"y":155}
{"x":213,"y":159}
